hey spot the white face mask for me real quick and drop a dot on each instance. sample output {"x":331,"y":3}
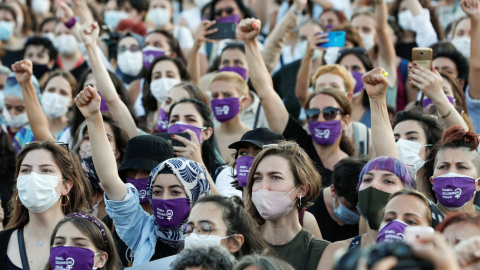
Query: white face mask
{"x":66,"y":44}
{"x":50,"y":35}
{"x":130,"y":63}
{"x":194,"y":240}
{"x":331,"y":55}
{"x":463,"y":45}
{"x":37,"y":191}
{"x":301,"y":49}
{"x":409,"y":153}
{"x":368,"y":41}
{"x":41,"y":6}
{"x":405,"y":20}
{"x":17,"y":121}
{"x":159,"y":16}
{"x":201,"y":3}
{"x":54,"y":105}
{"x":160,"y":87}
{"x":2,"y":100}
{"x":95,"y":209}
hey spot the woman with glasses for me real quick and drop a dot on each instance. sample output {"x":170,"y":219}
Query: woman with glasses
{"x":328,"y":112}
{"x":129,"y":57}
{"x":281,"y":182}
{"x":49,"y":185}
{"x":172,"y":189}
{"x":219,"y":220}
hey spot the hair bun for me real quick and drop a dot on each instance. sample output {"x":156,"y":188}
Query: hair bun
{"x":458,"y":136}
{"x":238,"y":201}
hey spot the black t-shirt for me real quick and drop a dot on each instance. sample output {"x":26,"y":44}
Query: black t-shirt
{"x":330,"y":229}
{"x":294,"y":131}
{"x":404,"y":50}
{"x":284,"y":83}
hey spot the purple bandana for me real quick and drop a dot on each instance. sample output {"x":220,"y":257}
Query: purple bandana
{"x":454,"y":190}
{"x":426,"y":101}
{"x":63,"y":257}
{"x":149,"y":55}
{"x":170,"y":213}
{"x":230,"y":19}
{"x":325,"y":133}
{"x":225,"y":109}
{"x":358,"y":83}
{"x":103,"y":104}
{"x":239,"y":70}
{"x":243,"y":165}
{"x":181,"y":127}
{"x":141,"y":185}
{"x":162,"y":121}
{"x":392,"y":232}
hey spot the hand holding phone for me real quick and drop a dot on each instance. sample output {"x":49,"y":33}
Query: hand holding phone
{"x":168,"y":136}
{"x":422,"y":57}
{"x":224,"y":31}
{"x":413,"y":233}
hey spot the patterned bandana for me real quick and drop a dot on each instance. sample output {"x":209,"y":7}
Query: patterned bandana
{"x":193,"y":178}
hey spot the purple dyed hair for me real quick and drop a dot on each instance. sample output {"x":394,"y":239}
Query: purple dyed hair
{"x":392,"y":165}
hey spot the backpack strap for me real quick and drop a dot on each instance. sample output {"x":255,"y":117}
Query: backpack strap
{"x":23,"y":252}
{"x":307,"y":254}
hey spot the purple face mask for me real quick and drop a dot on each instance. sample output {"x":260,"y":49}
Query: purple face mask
{"x":325,"y":133}
{"x":141,"y":185}
{"x":162,"y":121}
{"x":426,"y":101}
{"x":181,"y":127}
{"x":103,"y":104}
{"x":358,"y":83}
{"x":454,"y":190}
{"x":71,"y":258}
{"x":149,"y":55}
{"x":239,"y":70}
{"x":392,"y":232}
{"x":225,"y":109}
{"x":170,"y":213}
{"x":230,"y":19}
{"x":243,"y":165}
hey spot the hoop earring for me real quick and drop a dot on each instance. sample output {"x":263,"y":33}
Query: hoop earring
{"x":68,"y":200}
{"x":19,"y":203}
{"x":300,"y":201}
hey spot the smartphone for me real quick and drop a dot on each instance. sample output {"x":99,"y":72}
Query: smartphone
{"x":225,"y":31}
{"x":422,"y":57}
{"x":335,"y":39}
{"x":413,"y":233}
{"x":168,"y":137}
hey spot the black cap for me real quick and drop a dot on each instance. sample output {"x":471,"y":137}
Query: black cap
{"x":258,"y":137}
{"x":146,"y":152}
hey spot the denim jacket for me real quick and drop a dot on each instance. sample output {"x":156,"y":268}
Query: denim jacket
{"x":134,"y":226}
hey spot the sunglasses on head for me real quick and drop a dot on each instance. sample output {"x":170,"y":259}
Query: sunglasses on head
{"x":219,"y":11}
{"x":329,"y":113}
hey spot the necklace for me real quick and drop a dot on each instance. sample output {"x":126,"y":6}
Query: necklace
{"x":40,"y":243}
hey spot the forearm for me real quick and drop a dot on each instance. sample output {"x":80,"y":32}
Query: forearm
{"x":303,"y":80}
{"x":325,"y":4}
{"x":448,"y":113}
{"x":36,"y":117}
{"x":382,"y":133}
{"x":193,"y":66}
{"x":386,"y":52}
{"x":415,"y":7}
{"x":474,"y":75}
{"x":104,"y":158}
{"x":84,"y":13}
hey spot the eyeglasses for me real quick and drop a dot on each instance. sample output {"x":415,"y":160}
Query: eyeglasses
{"x":431,"y":109}
{"x":203,"y":229}
{"x":133,"y":48}
{"x":329,"y":113}
{"x":63,"y":144}
{"x":228,"y":10}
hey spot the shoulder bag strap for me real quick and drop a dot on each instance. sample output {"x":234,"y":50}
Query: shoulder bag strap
{"x":257,"y":115}
{"x":21,"y":246}
{"x":307,"y":255}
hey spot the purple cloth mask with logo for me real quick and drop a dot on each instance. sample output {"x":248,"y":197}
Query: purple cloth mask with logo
{"x":239,"y":70}
{"x":141,"y":185}
{"x":243,"y":165}
{"x":454,"y":190}
{"x":230,"y":19}
{"x":179,"y":128}
{"x":392,"y":232}
{"x":162,"y":121}
{"x":103,"y":104}
{"x":71,"y":258}
{"x":149,"y":56}
{"x":170,"y":213}
{"x":325,"y":133}
{"x":225,"y":109}
{"x":358,"y":82}
{"x":426,"y":101}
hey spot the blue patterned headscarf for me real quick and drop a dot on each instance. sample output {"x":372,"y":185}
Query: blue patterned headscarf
{"x":193,"y":177}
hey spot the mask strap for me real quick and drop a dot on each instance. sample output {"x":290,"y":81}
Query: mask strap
{"x":292,"y":190}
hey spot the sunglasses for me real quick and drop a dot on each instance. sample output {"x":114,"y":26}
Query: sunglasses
{"x":203,"y":229}
{"x":62,"y":144}
{"x":219,"y":11}
{"x":329,"y":113}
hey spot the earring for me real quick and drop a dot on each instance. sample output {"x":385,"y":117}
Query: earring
{"x":19,"y":203}
{"x":68,"y":200}
{"x":300,"y":202}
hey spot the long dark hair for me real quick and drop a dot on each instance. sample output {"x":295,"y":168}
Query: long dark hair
{"x":247,"y":13}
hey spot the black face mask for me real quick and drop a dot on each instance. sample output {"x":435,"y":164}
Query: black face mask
{"x":39,"y":70}
{"x":371,"y":201}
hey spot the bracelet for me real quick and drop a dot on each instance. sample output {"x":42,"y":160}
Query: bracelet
{"x":71,"y":22}
{"x":446,"y":115}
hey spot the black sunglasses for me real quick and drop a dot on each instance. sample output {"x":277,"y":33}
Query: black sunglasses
{"x":329,"y":113}
{"x":63,"y":144}
{"x":219,"y":11}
